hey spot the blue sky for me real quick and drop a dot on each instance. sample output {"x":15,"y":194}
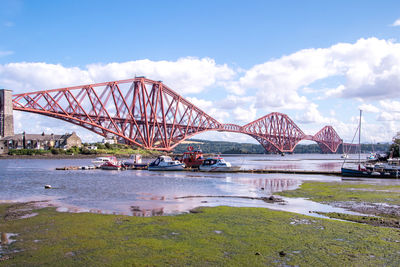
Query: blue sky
{"x":76,"y":33}
{"x":317,"y":61}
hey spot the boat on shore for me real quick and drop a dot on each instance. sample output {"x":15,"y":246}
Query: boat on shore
{"x":217,"y":164}
{"x":165,"y":163}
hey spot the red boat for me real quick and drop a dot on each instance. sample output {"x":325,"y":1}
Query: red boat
{"x":112,"y":164}
{"x":193,"y":158}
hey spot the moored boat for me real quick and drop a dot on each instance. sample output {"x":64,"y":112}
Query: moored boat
{"x":134,"y":161}
{"x":193,"y":158}
{"x":217,"y":164}
{"x":111,"y":164}
{"x":370,"y":173}
{"x":165,"y":163}
{"x":101,"y":160}
{"x":379,"y":170}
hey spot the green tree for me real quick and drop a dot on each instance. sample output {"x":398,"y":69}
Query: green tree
{"x":394,"y":148}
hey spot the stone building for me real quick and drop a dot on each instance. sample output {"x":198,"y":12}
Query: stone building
{"x":30,"y":141}
{"x":39,"y":141}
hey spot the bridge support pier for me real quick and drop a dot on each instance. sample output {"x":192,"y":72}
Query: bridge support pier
{"x":6,"y":113}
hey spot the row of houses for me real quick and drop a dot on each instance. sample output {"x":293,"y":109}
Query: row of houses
{"x":39,"y":141}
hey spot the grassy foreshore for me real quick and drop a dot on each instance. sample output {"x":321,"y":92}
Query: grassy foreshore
{"x":221,"y":236}
{"x":213,"y":236}
{"x":380,"y":201}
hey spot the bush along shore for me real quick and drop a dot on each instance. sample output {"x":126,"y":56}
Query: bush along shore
{"x":219,"y":236}
{"x":84,"y":151}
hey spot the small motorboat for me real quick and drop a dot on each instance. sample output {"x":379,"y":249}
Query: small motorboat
{"x":101,"y":160}
{"x":344,"y":156}
{"x":165,"y":163}
{"x":112,"y":164}
{"x":217,"y":164}
{"x":134,"y":161}
{"x":193,"y":158}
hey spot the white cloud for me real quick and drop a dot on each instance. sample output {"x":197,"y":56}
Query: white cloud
{"x":185,"y":76}
{"x":367,"y":69}
{"x":396,"y":23}
{"x":333,"y":92}
{"x":27,"y":77}
{"x":233,"y":101}
{"x":209,"y":107}
{"x":390,"y":105}
{"x":386,"y":116}
{"x":244,"y":115}
{"x":368,"y":108}
{"x":390,"y":111}
{"x":311,"y":114}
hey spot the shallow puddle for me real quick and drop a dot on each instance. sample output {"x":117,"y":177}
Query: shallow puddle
{"x":7,"y":238}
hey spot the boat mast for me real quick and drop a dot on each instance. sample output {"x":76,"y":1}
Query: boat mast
{"x":359,"y":140}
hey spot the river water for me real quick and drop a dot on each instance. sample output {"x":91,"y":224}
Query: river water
{"x":146,"y":193}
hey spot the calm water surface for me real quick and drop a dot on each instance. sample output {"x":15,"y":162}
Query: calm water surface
{"x":145,"y":193}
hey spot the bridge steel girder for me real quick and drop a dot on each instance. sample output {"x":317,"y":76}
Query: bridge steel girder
{"x":275,"y":132}
{"x":328,"y":139}
{"x":148,"y":115}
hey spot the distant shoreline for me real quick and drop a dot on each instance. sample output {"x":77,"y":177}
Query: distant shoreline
{"x":65,"y":156}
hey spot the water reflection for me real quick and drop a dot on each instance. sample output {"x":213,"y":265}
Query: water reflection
{"x":268,"y":185}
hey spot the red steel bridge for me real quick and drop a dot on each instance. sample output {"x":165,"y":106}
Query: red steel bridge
{"x":148,"y":114}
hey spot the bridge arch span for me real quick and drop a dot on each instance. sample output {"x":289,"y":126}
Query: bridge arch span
{"x":149,"y":114}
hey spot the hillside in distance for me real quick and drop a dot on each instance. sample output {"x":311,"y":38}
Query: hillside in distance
{"x":224,"y":147}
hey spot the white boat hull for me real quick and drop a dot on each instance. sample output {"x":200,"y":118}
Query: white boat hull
{"x":165,"y":163}
{"x":179,"y":167}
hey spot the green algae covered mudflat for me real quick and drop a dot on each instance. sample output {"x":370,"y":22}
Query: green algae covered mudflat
{"x":221,"y":236}
{"x":380,"y":201}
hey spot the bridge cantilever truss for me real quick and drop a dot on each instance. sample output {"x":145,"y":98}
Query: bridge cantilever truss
{"x":148,"y":114}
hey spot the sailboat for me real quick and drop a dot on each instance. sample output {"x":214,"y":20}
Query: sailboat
{"x":361,"y":171}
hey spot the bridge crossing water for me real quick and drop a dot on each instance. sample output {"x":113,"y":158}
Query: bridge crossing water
{"x":148,"y":114}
